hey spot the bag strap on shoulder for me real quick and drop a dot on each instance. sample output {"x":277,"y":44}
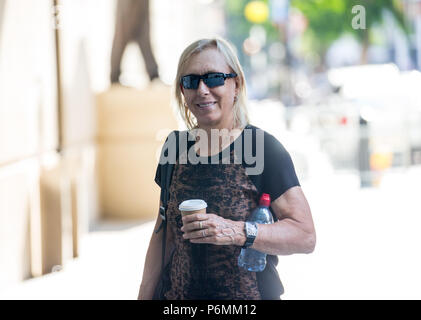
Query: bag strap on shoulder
{"x":165,"y":176}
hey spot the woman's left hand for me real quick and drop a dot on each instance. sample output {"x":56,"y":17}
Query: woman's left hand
{"x":213,"y":229}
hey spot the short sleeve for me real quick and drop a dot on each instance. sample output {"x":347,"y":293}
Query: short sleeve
{"x":279,"y":173}
{"x":164,"y":152}
{"x":168,"y":155}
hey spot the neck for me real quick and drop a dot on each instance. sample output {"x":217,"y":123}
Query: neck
{"x":221,"y":137}
{"x":227,"y":125}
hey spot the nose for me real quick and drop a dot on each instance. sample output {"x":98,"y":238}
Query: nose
{"x":202,"y":88}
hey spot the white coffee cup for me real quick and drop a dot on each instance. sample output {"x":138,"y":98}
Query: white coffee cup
{"x":192,"y":206}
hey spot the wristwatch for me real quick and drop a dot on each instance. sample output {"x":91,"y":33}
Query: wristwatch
{"x":251,"y":233}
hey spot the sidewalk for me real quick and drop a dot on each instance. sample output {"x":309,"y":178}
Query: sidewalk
{"x":109,"y":267}
{"x":367,"y":241}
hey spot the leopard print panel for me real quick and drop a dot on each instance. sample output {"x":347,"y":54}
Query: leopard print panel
{"x":205,"y":271}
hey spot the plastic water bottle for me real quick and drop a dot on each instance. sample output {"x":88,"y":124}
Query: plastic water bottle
{"x":250,"y":259}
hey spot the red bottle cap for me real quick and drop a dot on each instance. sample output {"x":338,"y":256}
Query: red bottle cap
{"x":265,"y":200}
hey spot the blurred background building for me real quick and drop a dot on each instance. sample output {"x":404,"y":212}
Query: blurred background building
{"x":337,"y":84}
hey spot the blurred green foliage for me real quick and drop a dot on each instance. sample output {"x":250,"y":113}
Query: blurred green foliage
{"x":329,"y":19}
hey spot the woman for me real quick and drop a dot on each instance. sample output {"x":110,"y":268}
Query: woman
{"x":210,"y":90}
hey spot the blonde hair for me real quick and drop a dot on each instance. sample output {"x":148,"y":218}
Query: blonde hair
{"x":240,"y":105}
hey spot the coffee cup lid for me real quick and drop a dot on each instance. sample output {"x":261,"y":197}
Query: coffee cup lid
{"x":192,"y":204}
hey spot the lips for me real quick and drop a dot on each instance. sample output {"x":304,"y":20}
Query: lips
{"x":205,"y":104}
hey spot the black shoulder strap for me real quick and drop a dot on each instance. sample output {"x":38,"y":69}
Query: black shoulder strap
{"x":166,"y":174}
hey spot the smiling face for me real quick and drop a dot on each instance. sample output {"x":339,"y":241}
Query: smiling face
{"x":212,"y":107}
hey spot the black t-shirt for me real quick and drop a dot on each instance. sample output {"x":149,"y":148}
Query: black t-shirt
{"x":231,"y":182}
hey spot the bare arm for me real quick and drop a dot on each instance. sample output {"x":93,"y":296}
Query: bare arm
{"x":152,"y":265}
{"x":153,"y":261}
{"x":293,"y":233}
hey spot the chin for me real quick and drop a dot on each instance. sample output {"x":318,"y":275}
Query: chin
{"x":208,"y":120}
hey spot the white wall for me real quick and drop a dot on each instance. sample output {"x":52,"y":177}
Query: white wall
{"x":28,"y":134}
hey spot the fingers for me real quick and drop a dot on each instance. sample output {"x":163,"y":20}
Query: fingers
{"x":203,"y":233}
{"x":195,"y":225}
{"x":198,"y":221}
{"x":213,"y":230}
{"x":198,"y":225}
{"x":195,"y":217}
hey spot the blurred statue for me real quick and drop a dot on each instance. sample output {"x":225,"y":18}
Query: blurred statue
{"x":132,"y":24}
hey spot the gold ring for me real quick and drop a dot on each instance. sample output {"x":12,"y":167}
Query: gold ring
{"x":200,"y":225}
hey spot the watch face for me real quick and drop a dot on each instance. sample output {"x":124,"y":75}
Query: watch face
{"x":251,"y":230}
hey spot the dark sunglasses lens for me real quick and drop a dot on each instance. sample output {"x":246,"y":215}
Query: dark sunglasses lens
{"x":210,"y":79}
{"x":214,"y":80}
{"x":190,"y":82}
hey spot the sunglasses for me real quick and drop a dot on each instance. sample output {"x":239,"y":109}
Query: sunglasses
{"x":211,"y":79}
